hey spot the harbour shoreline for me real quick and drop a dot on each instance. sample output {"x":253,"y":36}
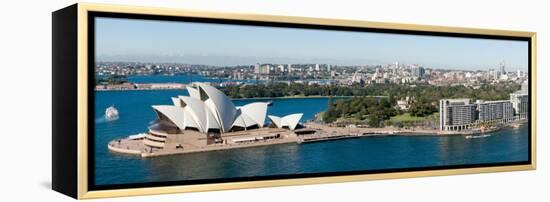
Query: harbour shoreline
{"x":140,"y":87}
{"x":391,"y":131}
{"x":299,"y":97}
{"x":318,"y":133}
{"x":253,"y":98}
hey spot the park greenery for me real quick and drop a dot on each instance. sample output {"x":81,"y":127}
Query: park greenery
{"x":421,"y":92}
{"x":111,"y":80}
{"x":422,"y":108}
{"x":406,"y":120}
{"x":370,"y":109}
{"x":364,"y":108}
{"x":378,"y":112}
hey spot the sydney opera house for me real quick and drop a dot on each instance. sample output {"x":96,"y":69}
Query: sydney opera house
{"x":208,"y":110}
{"x":208,"y":120}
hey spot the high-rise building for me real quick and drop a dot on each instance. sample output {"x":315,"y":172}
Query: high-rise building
{"x":493,"y":74}
{"x":328,"y":67}
{"x":520,"y":104}
{"x":460,"y":114}
{"x":257,"y":68}
{"x":495,"y":110}
{"x":502,"y":68}
{"x":456,"y":114}
{"x":317,"y":68}
{"x":418,"y":72}
{"x":267,"y":69}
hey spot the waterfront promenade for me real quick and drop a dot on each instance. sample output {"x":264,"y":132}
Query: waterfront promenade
{"x":192,"y":141}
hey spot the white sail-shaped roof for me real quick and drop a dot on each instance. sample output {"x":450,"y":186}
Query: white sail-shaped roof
{"x":244,"y":120}
{"x":190,"y":121}
{"x":211,"y":122}
{"x":175,"y":114}
{"x":248,"y":121}
{"x":208,"y":108}
{"x":220,"y":106}
{"x":239,"y":122}
{"x":291,"y":121}
{"x":193,"y":92}
{"x":176,"y":101}
{"x":196,"y":109}
{"x":276,"y":120}
{"x":256,"y":111}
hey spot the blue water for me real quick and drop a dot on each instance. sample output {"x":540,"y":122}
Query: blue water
{"x":510,"y":145}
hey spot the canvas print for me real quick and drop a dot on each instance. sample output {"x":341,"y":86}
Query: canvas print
{"x":187,"y":102}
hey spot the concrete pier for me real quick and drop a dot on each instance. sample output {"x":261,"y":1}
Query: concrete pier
{"x":157,"y":143}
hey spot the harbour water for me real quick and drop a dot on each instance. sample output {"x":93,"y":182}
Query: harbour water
{"x":367,"y":153}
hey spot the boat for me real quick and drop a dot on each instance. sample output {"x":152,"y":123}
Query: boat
{"x":477,"y":136}
{"x":111,"y":113}
{"x":270,"y":103}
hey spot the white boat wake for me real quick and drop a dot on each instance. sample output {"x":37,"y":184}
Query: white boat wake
{"x":477,"y":136}
{"x":104,"y":120}
{"x":111,"y":114}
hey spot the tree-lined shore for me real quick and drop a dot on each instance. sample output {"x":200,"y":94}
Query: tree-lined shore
{"x":374,"y":105}
{"x":394,"y":91}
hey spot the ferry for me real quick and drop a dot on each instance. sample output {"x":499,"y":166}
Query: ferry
{"x":111,"y":113}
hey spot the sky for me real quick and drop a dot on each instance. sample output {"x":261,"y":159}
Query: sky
{"x":132,"y":40}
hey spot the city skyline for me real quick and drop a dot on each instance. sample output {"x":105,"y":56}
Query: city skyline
{"x":228,"y":45}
